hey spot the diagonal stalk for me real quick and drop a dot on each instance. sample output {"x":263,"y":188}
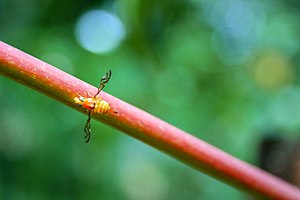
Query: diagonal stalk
{"x":63,"y":87}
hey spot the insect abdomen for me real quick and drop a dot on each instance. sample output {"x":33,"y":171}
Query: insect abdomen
{"x":101,"y":107}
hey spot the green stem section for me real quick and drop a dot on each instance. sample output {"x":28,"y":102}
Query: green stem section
{"x":63,"y":87}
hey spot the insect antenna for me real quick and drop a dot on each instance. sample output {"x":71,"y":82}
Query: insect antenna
{"x":87,"y":129}
{"x":103,"y":81}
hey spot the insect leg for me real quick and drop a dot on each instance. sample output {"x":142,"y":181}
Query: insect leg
{"x":103,"y":81}
{"x":87,"y":129}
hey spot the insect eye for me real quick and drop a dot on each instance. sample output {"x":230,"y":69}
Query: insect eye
{"x":81,"y":99}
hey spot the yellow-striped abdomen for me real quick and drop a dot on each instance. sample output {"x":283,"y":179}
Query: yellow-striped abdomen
{"x":101,"y":107}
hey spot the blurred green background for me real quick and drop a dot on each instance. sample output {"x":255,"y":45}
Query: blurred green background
{"x":225,"y":71}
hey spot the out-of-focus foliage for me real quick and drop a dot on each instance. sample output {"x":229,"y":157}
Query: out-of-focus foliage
{"x":225,"y":71}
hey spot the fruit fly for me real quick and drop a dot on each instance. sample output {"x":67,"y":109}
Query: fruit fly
{"x":94,"y":105}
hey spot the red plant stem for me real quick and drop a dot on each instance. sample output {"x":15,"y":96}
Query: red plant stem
{"x":63,"y":87}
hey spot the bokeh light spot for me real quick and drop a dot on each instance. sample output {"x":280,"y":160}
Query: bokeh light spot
{"x":238,"y":26}
{"x":99,"y":31}
{"x":273,"y":71}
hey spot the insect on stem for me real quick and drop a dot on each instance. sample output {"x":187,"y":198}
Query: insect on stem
{"x":94,"y":105}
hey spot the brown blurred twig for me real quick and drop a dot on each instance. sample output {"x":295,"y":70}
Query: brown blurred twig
{"x":63,"y":87}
